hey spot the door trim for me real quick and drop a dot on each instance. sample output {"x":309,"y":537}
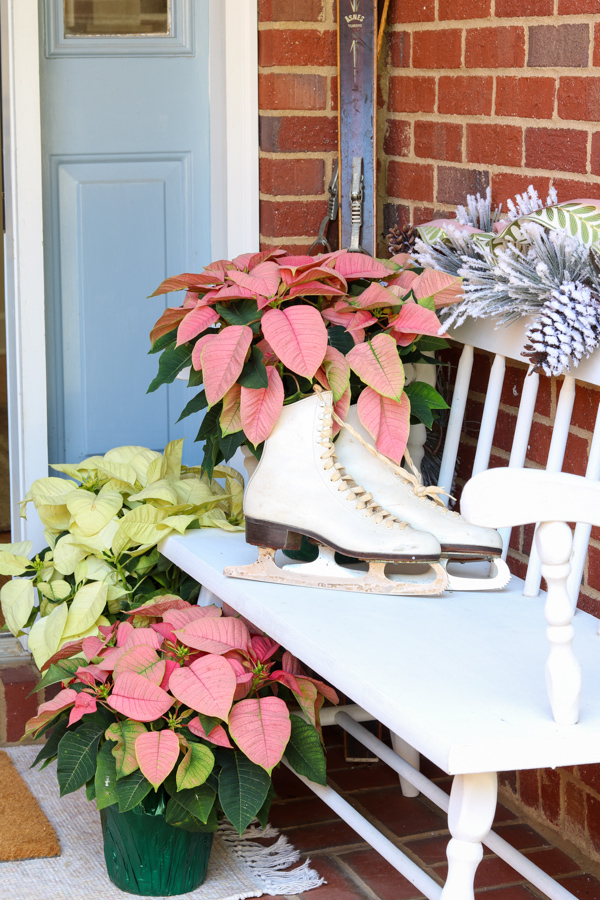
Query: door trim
{"x":234,"y":207}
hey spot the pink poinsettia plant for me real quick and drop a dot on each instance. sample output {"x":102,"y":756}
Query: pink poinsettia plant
{"x":260,"y":330}
{"x":183,"y":700}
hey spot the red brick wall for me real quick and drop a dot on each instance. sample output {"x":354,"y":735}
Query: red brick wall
{"x":494,"y":92}
{"x":472,"y":92}
{"x":297,"y":57}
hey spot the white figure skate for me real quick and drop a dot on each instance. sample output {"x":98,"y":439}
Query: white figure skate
{"x":403,"y":494}
{"x":299,"y":488}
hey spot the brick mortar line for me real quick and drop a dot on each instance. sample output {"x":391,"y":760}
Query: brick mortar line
{"x":281,"y":25}
{"x":355,"y":878}
{"x":479,"y":397}
{"x":325,"y":851}
{"x":496,"y":22}
{"x":494,"y":119}
{"x":298,"y":70}
{"x":297,"y":154}
{"x":490,"y":71}
{"x":495,"y":169}
{"x":278,"y":241}
{"x":309,"y":113}
{"x":288,"y":198}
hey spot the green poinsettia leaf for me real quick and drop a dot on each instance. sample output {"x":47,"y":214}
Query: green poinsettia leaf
{"x":50,"y":748}
{"x":304,"y":751}
{"x":105,"y":781}
{"x":77,"y":753}
{"x":427,"y":343}
{"x":195,"y":767}
{"x":197,"y":404}
{"x":339,"y":338}
{"x":423,"y":399}
{"x":180,"y":817}
{"x":63,"y":670}
{"x":243,"y":788}
{"x":263,"y":814}
{"x":90,"y":790}
{"x":254,"y":373}
{"x":240,"y":312}
{"x":198,"y":801}
{"x":169,"y":338}
{"x":131,"y":790}
{"x":124,"y":734}
{"x":170,"y":364}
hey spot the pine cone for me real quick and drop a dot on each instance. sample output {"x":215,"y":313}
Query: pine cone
{"x":567,"y":330}
{"x":401,"y":239}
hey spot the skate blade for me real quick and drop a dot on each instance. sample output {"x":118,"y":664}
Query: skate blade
{"x":497,"y":578}
{"x":426,"y":579}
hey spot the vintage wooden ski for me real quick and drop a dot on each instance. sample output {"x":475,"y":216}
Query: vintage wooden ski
{"x":357,"y":98}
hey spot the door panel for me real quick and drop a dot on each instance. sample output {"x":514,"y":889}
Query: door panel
{"x":136,"y":210}
{"x":126,"y":203}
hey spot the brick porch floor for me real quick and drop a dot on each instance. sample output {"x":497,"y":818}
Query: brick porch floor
{"x":356,"y":872}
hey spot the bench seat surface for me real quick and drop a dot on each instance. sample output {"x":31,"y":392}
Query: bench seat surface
{"x":460,"y":677}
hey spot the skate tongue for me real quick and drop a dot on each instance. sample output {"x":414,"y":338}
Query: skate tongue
{"x":364,"y":500}
{"x":427,"y":492}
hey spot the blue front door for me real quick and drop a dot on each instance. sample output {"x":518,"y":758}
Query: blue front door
{"x":125,"y":136}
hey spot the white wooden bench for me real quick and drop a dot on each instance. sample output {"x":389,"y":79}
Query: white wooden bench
{"x":460,"y":678}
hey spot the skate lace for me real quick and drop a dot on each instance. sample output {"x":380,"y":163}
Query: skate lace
{"x":429,"y":494}
{"x":363,"y":499}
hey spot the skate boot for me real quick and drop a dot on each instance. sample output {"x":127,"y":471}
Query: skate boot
{"x":299,"y":488}
{"x":402,"y":493}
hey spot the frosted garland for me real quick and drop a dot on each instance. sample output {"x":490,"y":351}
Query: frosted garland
{"x":529,"y":202}
{"x":538,"y":272}
{"x":478,"y":211}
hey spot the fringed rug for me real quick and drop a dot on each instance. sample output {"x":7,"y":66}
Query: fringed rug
{"x":238,"y":868}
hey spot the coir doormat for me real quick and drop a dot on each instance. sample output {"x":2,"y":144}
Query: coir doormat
{"x":25,"y":832}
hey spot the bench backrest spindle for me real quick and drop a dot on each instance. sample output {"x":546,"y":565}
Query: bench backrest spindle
{"x":518,"y":453}
{"x":455,"y":419}
{"x":485,"y":439}
{"x":583,"y":530}
{"x":506,"y":344}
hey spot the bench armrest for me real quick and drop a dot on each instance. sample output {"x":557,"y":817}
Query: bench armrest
{"x":508,"y":497}
{"x":499,"y":498}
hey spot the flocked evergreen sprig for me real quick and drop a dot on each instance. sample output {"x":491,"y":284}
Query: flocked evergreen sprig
{"x":516,"y":280}
{"x":478,"y":211}
{"x":547,"y":274}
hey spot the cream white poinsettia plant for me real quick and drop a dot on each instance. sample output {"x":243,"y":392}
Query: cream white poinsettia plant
{"x":102,"y":523}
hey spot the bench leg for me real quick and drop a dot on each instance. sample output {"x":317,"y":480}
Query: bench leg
{"x":411,"y":756}
{"x":472,"y":806}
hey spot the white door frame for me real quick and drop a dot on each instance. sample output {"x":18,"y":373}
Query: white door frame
{"x":234,"y":207}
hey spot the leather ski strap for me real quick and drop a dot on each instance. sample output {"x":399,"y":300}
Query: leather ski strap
{"x":357,"y":95}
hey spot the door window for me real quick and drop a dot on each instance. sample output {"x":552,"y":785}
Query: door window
{"x":94,"y":18}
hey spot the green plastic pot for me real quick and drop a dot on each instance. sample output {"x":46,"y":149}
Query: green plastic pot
{"x":147,"y":856}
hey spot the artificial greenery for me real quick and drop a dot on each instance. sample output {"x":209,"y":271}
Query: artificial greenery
{"x":538,"y":260}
